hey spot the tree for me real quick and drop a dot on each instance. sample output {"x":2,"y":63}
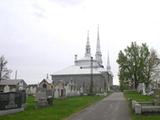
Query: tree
{"x":136,"y":65}
{"x":4,"y":72}
{"x":152,"y":69}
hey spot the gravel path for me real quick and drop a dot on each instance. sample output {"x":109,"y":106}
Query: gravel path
{"x":113,"y":107}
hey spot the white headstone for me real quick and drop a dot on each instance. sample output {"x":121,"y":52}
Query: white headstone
{"x":6,"y":88}
{"x":143,"y":89}
{"x":138,"y":109}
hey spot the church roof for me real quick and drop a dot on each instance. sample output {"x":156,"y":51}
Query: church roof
{"x":85,"y":58}
{"x":77,"y":70}
{"x":83,"y":66}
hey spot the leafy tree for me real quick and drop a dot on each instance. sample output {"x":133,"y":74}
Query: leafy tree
{"x":4,"y":72}
{"x":136,"y":65}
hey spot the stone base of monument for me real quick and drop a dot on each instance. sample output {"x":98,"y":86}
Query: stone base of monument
{"x":42,"y":103}
{"x":141,"y":103}
{"x":139,"y":109}
{"x":44,"y":98}
{"x":11,"y":111}
{"x":145,"y":107}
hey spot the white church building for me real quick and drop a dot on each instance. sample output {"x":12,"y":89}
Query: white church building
{"x":88,"y":74}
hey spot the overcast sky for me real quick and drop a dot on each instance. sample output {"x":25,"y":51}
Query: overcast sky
{"x":42,"y":36}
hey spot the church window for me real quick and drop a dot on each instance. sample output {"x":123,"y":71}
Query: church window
{"x":44,"y":86}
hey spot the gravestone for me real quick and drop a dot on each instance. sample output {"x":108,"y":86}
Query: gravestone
{"x":141,"y":88}
{"x":157,"y":97}
{"x":49,"y":94}
{"x":4,"y":100}
{"x":56,"y":93}
{"x":138,"y":108}
{"x":23,"y":93}
{"x":6,"y":88}
{"x":41,"y":97}
{"x":21,"y":98}
{"x":11,"y":101}
{"x":8,"y":100}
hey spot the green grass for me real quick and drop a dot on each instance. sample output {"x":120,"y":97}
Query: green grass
{"x":138,"y":97}
{"x":134,"y":95}
{"x":61,"y":109}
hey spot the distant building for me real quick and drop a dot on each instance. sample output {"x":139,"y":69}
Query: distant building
{"x":45,"y":84}
{"x":12,"y":85}
{"x":87,"y":74}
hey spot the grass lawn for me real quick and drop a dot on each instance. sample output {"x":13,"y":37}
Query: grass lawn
{"x":134,"y":95}
{"x":138,"y":97}
{"x":61,"y":109}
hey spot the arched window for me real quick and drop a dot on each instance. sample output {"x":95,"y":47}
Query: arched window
{"x":44,"y":86}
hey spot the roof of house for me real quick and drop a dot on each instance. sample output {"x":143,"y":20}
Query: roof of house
{"x":10,"y":82}
{"x":75,"y":70}
{"x":46,"y":80}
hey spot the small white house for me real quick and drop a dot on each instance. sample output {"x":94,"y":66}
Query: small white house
{"x":12,"y":85}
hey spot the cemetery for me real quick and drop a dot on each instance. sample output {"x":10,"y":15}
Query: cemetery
{"x":147,"y":106}
{"x":142,"y":107}
{"x":60,"y":109}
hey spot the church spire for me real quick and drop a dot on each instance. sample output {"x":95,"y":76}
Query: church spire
{"x":88,"y":48}
{"x":98,"y":41}
{"x":108,"y":64}
{"x":98,"y":49}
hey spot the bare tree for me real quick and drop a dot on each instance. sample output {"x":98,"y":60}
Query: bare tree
{"x":154,"y":66}
{"x":4,"y":72}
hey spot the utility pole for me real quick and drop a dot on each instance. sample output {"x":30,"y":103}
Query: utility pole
{"x":108,"y":82}
{"x":91,"y":82}
{"x":16,"y":75}
{"x":105,"y":82}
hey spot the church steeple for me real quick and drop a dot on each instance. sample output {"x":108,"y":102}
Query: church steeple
{"x":108,"y":64}
{"x":88,"y":48}
{"x":98,"y":49}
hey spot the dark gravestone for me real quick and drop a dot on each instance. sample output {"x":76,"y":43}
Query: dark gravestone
{"x":12,"y":100}
{"x":4,"y":100}
{"x":18,"y":99}
{"x":22,"y":96}
{"x":157,"y":97}
{"x":49,"y":96}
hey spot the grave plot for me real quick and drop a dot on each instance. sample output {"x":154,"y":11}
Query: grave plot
{"x":12,"y":102}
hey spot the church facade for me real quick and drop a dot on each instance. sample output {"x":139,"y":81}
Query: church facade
{"x":88,"y":74}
